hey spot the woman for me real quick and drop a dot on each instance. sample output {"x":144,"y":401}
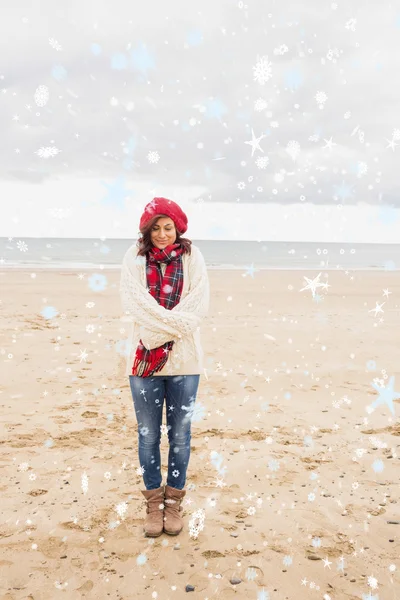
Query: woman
{"x":165,"y":295}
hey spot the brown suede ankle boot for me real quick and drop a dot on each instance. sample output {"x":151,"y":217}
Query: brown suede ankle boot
{"x":153,"y":525}
{"x":173,"y":523}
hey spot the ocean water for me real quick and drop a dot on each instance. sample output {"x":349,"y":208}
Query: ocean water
{"x":81,"y":253}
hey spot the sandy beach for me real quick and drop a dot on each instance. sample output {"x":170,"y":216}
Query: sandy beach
{"x":293,"y":483}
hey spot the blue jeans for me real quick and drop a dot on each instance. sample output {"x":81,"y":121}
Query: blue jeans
{"x":148,"y":395}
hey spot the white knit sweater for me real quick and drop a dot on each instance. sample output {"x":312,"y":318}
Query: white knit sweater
{"x":156,"y":325}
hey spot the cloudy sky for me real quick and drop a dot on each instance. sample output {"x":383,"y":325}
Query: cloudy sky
{"x":263,"y":119}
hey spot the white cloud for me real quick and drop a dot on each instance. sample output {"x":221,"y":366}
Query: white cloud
{"x":76,"y":209}
{"x":139,"y":89}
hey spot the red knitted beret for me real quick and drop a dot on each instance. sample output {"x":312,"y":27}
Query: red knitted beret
{"x":163,"y":206}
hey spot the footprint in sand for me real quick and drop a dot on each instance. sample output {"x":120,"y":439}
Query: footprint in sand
{"x":37,"y":492}
{"x":86,"y":587}
{"x":89,"y":414}
{"x":61,"y":420}
{"x":77,"y":439}
{"x":392,"y":429}
{"x":249,"y":388}
{"x":212,"y":554}
{"x":52,"y":547}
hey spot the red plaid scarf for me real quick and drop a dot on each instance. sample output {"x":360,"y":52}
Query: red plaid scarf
{"x":167,"y":291}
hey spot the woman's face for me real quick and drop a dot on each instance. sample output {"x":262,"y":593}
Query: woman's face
{"x":163,"y":233}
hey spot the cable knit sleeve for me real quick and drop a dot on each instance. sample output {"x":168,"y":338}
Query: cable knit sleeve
{"x":197,"y":301}
{"x":138,"y":305}
{"x":157,"y":324}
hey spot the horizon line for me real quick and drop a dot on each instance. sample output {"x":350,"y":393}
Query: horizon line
{"x":371,"y":243}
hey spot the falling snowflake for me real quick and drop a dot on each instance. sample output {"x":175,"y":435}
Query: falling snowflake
{"x":175,"y":473}
{"x":260,"y":104}
{"x":121,"y":509}
{"x":97,"y":282}
{"x":217,"y":460}
{"x":332,"y":54}
{"x":262,"y":162}
{"x":251,"y":510}
{"x":378,"y":466}
{"x":287,"y":561}
{"x":83,"y":355}
{"x":262,"y":70}
{"x":372,"y":582}
{"x":360,"y":452}
{"x":251,"y":574}
{"x":59,"y":72}
{"x":59,"y":213}
{"x":85,"y":483}
{"x":241,"y":185}
{"x":343,"y":191}
{"x":308,"y":441}
{"x":387,"y":214}
{"x":49,"y":312}
{"x":140,"y":471}
{"x":41,"y":96}
{"x":195,"y":411}
{"x":22,"y":246}
{"x":316,"y":542}
{"x":153,"y":157}
{"x":351,"y":24}
{"x":196,"y":523}
{"x":220,"y":483}
{"x":54,"y":44}
{"x":396,"y":134}
{"x":273,"y":465}
{"x":293,"y":149}
{"x":377,"y":443}
{"x":46,"y":152}
{"x":321,"y":98}
{"x":281,"y":50}
{"x":362,"y":168}
{"x":164,"y":429}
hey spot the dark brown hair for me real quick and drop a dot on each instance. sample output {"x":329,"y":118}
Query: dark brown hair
{"x":145,"y":243}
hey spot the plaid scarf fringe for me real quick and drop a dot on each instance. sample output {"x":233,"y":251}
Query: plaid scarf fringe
{"x":151,"y":361}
